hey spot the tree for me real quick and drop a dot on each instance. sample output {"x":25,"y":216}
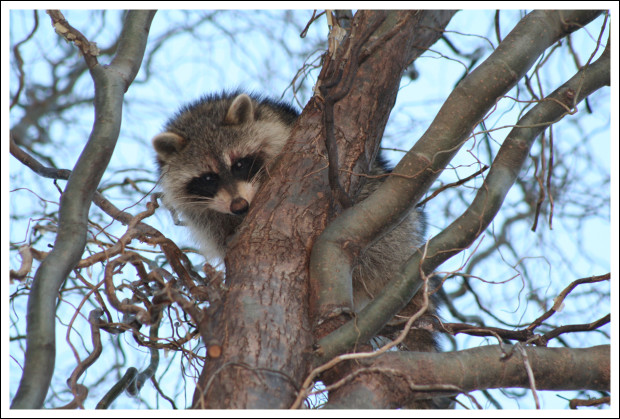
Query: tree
{"x":268,"y":329}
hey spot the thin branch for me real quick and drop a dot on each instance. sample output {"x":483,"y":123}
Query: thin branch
{"x":118,"y":388}
{"x":452,"y":185}
{"x":80,"y":391}
{"x":20,"y":61}
{"x":25,"y":252}
{"x":558,"y":302}
{"x":572,"y":328}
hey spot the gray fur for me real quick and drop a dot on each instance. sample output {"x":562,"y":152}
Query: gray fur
{"x":208,"y":135}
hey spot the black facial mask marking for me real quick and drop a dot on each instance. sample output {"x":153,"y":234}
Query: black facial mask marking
{"x":205,"y":185}
{"x":246,"y":168}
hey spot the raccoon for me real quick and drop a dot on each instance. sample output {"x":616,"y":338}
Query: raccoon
{"x":213,"y":156}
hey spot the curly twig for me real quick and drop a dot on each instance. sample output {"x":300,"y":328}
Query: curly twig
{"x":80,"y":391}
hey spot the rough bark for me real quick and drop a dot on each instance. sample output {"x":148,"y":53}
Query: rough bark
{"x":264,"y":326}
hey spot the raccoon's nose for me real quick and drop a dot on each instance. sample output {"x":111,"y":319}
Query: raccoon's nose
{"x":239,"y":206}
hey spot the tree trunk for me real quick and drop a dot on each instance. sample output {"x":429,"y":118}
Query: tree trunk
{"x":264,"y":325}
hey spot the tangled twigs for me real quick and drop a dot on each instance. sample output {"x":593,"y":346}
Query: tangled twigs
{"x":137,"y":229}
{"x":183,"y":268}
{"x":141,"y":314}
{"x":132,"y":232}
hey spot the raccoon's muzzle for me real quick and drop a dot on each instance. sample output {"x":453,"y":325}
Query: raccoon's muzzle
{"x":239,"y":206}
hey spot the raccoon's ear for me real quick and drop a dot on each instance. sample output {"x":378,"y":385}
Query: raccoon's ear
{"x":241,"y":110}
{"x":168,"y":143}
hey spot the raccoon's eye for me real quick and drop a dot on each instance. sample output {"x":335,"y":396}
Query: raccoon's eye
{"x":246,"y":168}
{"x":204,"y":185}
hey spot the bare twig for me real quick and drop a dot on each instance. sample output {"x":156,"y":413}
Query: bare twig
{"x":118,"y":388}
{"x":530,"y":374}
{"x":20,"y":62}
{"x":80,"y":391}
{"x":559,"y":300}
{"x":576,"y":328}
{"x":310,"y":22}
{"x":452,"y":185}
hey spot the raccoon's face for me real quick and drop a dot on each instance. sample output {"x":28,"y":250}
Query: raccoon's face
{"x":216,"y":154}
{"x":230,"y":189}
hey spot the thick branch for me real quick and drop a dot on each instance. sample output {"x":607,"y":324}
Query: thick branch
{"x":362,"y":114}
{"x":394,"y":378}
{"x":465,"y":107}
{"x":110,"y":84}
